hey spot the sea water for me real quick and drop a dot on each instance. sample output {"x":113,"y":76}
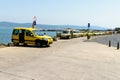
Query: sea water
{"x":6,"y":33}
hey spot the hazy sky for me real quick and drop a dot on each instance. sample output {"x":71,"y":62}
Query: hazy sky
{"x":104,"y":13}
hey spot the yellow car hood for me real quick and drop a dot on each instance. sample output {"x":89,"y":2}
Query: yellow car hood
{"x":48,"y":37}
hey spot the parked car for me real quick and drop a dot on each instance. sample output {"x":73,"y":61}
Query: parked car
{"x":76,"y":33}
{"x":67,"y":34}
{"x":83,"y":34}
{"x":30,"y":36}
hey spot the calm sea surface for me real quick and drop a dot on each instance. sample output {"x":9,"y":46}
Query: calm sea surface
{"x":5,"y":34}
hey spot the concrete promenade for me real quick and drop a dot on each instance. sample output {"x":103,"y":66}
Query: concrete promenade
{"x":71,"y":59}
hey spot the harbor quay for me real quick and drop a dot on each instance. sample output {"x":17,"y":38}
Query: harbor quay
{"x":73,"y":59}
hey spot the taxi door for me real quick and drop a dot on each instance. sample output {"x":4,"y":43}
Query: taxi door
{"x":29,"y":37}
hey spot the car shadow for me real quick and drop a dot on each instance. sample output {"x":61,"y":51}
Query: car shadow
{"x":31,"y":46}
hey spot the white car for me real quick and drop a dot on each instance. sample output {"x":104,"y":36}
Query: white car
{"x":76,"y":33}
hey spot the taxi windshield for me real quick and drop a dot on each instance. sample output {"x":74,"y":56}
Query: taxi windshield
{"x":65,"y":32}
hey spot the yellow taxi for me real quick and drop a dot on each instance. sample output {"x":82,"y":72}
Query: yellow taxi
{"x":30,"y":36}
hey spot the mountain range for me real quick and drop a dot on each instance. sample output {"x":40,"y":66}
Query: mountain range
{"x":46,"y":26}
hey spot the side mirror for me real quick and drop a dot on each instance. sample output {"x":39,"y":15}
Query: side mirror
{"x":31,"y":35}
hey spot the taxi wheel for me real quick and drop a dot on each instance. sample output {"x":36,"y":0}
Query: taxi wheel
{"x":25,"y":44}
{"x":68,"y":37}
{"x":48,"y":45}
{"x":38,"y":44}
{"x":16,"y":44}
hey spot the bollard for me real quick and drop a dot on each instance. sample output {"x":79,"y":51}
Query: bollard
{"x":109,"y":43}
{"x":117,"y":45}
{"x":88,"y":37}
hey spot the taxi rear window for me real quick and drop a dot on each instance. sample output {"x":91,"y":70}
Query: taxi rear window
{"x":15,"y":32}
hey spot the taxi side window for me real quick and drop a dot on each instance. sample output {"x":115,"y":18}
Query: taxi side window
{"x":28,"y":33}
{"x":15,"y":32}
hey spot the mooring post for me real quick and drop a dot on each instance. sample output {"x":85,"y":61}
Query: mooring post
{"x":117,"y":45}
{"x":109,"y":43}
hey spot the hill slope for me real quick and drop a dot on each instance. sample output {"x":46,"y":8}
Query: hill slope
{"x":45,"y":26}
